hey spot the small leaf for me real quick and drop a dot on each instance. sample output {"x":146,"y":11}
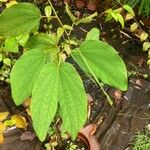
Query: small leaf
{"x":128,"y":16}
{"x":67,"y":27}
{"x":9,"y":123}
{"x":87,"y":19}
{"x":129,"y":9}
{"x":19,"y":19}
{"x":148,"y":62}
{"x":25,"y":72}
{"x":93,"y":34}
{"x":45,"y":99}
{"x":48,"y":11}
{"x":120,"y":19}
{"x":22,"y":39}
{"x":60,"y":32}
{"x":19,"y":121}
{"x":133,"y":27}
{"x":11,"y":45}
{"x":113,"y":14}
{"x":143,"y":36}
{"x":7,"y":61}
{"x":146,"y":46}
{"x":3,"y":115}
{"x":72,"y":17}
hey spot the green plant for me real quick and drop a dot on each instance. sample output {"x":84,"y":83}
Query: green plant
{"x":43,"y":73}
{"x":141,"y":141}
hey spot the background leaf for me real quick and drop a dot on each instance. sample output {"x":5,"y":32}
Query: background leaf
{"x":19,"y":19}
{"x":45,"y":99}
{"x":72,"y":100}
{"x":104,"y":62}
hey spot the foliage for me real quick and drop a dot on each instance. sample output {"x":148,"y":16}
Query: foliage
{"x":144,"y":6}
{"x":141,"y":141}
{"x":43,"y":73}
{"x":116,"y":14}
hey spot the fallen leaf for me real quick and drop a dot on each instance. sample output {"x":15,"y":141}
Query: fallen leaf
{"x":1,"y":138}
{"x":20,"y":122}
{"x":3,"y":115}
{"x":143,"y":36}
{"x":2,"y":127}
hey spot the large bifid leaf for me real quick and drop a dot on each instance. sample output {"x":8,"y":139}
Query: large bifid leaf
{"x":45,"y":99}
{"x":24,"y":74}
{"x":103,"y":61}
{"x":72,"y":100}
{"x":19,"y":19}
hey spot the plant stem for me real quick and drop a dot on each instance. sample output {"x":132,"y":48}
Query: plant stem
{"x":57,"y":17}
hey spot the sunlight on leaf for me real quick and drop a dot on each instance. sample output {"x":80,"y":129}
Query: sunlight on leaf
{"x":20,"y":122}
{"x":3,"y":115}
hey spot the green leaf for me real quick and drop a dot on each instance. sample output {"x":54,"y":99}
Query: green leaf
{"x":48,"y":11}
{"x":93,"y":34}
{"x":72,"y":17}
{"x":46,"y":42}
{"x":19,"y":19}
{"x":24,"y":74}
{"x":68,"y":27}
{"x":72,"y":100}
{"x":60,"y":32}
{"x":22,"y":39}
{"x":87,"y":19}
{"x":11,"y":45}
{"x":129,"y":9}
{"x":7,"y":61}
{"x":120,"y":19}
{"x":112,"y":13}
{"x":42,"y":41}
{"x":45,"y":99}
{"x":103,"y":61}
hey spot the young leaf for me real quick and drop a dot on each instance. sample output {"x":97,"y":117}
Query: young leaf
{"x":133,"y":27}
{"x":19,"y":19}
{"x":72,"y":100}
{"x":86,"y":19}
{"x":48,"y":11}
{"x":22,"y":39}
{"x":24,"y":74}
{"x":60,"y":32}
{"x":120,"y":19}
{"x":104,"y":62}
{"x":72,"y":17}
{"x":11,"y":45}
{"x":93,"y":34}
{"x":7,"y":61}
{"x":129,"y":9}
{"x":45,"y":99}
